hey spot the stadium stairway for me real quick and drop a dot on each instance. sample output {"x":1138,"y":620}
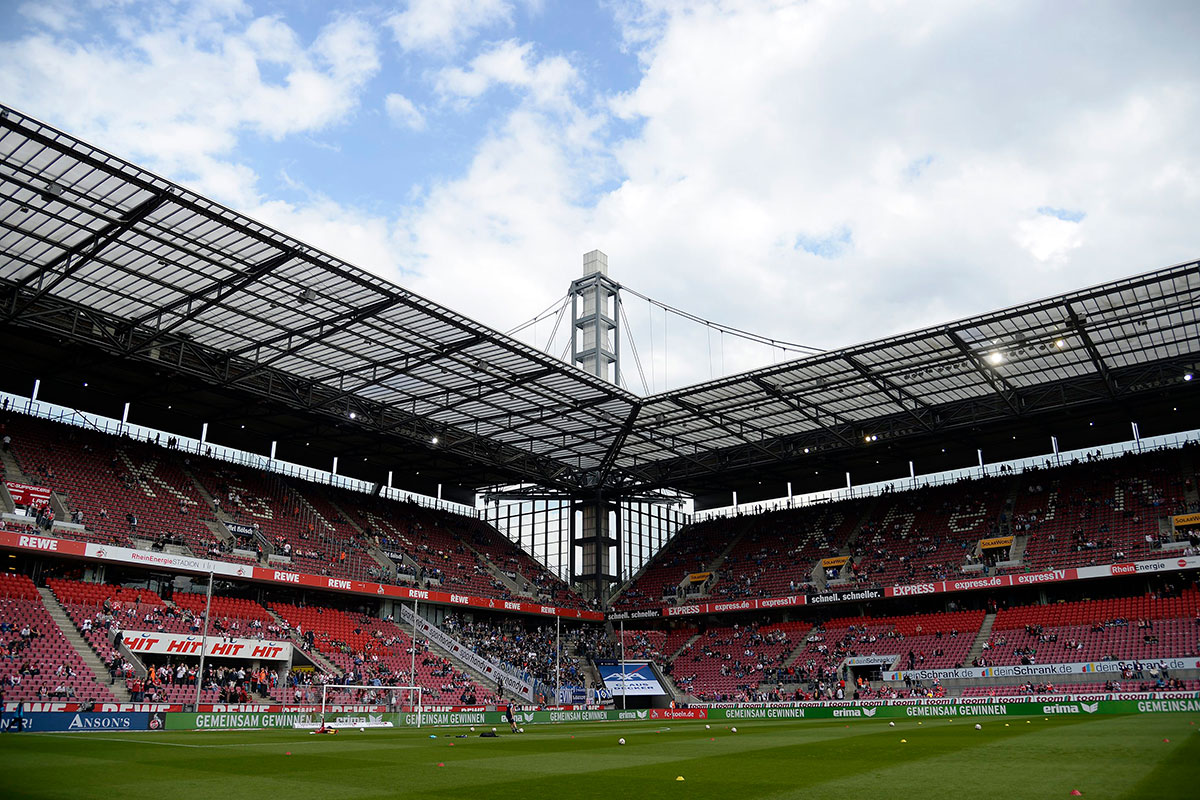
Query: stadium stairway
{"x":679,"y":650}
{"x":219,"y":513}
{"x":793,"y":658}
{"x":985,"y":635}
{"x":369,"y":545}
{"x":219,"y":531}
{"x":714,"y":566}
{"x":1016,"y":553}
{"x":1189,"y":466}
{"x":85,"y":651}
{"x":847,"y":548}
{"x":314,"y":655}
{"x":12,"y":472}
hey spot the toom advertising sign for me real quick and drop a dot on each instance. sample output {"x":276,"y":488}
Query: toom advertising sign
{"x":26,"y":494}
{"x":214,"y":646}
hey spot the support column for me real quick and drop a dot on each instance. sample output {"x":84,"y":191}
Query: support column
{"x":593,"y":572}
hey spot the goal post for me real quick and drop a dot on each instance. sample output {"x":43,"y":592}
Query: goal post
{"x":394,"y":699}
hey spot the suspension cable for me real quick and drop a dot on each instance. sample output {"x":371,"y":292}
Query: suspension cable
{"x":754,"y":337}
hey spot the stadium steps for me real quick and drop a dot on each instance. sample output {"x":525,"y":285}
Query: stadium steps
{"x":795,"y":655}
{"x":672,"y":656}
{"x":985,"y":633}
{"x":714,"y":567}
{"x":385,"y":563}
{"x":1017,"y":551}
{"x":514,"y":586}
{"x":85,"y":651}
{"x":12,"y":472}
{"x":677,"y":694}
{"x":615,"y":594}
{"x":220,"y":513}
{"x":818,"y":573}
{"x":314,"y":655}
{"x":1188,"y":461}
{"x":219,"y":531}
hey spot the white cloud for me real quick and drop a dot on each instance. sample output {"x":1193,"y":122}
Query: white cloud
{"x":1047,"y":239}
{"x":443,"y":25}
{"x":57,"y":15}
{"x":513,"y":64}
{"x":829,"y":173}
{"x":402,"y":111}
{"x":176,"y":92}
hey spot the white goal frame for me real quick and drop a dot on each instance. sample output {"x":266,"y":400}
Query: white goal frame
{"x":326,"y":688}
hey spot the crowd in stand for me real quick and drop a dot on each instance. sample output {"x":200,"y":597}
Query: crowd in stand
{"x":531,"y":651}
{"x":235,"y":684}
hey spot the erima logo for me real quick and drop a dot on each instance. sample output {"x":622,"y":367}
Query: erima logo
{"x":643,"y":714}
{"x":526,"y":717}
{"x":1090,"y":708}
{"x":870,"y":712}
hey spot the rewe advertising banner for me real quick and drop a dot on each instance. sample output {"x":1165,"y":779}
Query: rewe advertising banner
{"x":149,"y":559}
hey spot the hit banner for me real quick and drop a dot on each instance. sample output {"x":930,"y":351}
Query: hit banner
{"x":218,"y":647}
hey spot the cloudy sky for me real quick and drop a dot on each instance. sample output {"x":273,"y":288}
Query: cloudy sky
{"x":817,"y":172}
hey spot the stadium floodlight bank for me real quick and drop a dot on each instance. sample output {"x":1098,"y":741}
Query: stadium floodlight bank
{"x":335,"y":715}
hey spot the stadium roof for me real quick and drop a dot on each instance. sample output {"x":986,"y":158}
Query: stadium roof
{"x":98,"y":253}
{"x":97,"y":248}
{"x":1101,"y":345}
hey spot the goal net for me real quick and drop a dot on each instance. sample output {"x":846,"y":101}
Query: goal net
{"x":349,"y":705}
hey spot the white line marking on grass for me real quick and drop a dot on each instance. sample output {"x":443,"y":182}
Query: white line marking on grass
{"x":78,"y":736}
{"x":83,"y":735}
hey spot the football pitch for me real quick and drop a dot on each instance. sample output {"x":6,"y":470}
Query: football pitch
{"x":1029,"y":757}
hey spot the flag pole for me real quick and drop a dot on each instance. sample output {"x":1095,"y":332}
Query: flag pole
{"x":204,"y":639}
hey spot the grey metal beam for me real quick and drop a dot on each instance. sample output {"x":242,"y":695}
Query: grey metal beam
{"x":82,"y":252}
{"x":999,"y":385}
{"x":896,"y":394}
{"x":1093,"y":353}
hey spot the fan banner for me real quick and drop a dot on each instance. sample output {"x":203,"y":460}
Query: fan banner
{"x":26,"y":494}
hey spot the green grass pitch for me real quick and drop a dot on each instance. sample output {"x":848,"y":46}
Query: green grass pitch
{"x":1102,"y":757}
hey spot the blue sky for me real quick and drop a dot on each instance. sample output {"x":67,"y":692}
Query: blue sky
{"x":773,"y":165}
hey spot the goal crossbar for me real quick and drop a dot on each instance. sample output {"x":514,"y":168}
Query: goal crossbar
{"x":351,"y":719}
